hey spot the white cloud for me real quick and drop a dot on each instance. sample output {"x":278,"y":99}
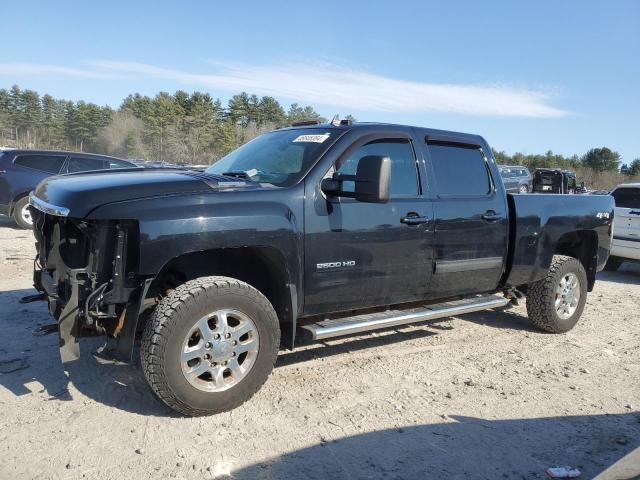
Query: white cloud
{"x":26,"y":69}
{"x":328,"y":84}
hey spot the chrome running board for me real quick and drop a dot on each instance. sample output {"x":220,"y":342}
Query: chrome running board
{"x":373,"y":321}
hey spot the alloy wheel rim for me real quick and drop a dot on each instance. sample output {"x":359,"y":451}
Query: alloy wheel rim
{"x":25,"y":213}
{"x":567,"y":295}
{"x":219,"y":350}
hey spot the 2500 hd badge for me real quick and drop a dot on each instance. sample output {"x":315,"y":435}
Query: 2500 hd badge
{"x":344,"y":263}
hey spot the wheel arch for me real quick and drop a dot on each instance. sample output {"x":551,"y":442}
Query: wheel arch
{"x":262,"y":267}
{"x":582,"y":245}
{"x":15,"y":200}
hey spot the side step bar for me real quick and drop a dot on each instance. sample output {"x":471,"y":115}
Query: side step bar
{"x":362,"y":323}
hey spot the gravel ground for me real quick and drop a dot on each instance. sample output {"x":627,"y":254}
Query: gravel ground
{"x":480,"y":396}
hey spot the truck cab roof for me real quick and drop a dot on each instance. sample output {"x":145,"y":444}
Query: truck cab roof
{"x":376,"y":126}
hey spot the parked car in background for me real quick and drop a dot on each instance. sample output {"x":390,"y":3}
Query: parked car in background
{"x":22,"y":170}
{"x":626,"y":226}
{"x":516,"y":179}
{"x":556,"y":180}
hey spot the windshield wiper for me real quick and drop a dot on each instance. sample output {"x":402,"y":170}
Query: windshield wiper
{"x":246,"y":174}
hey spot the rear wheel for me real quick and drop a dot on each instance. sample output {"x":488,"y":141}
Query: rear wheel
{"x":555,"y":303}
{"x":524,"y":189}
{"x":22,"y":214}
{"x":210,"y":345}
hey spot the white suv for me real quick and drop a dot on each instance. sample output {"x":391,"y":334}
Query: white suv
{"x":626,"y":225}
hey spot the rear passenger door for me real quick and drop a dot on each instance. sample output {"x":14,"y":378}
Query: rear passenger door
{"x":471,"y":223}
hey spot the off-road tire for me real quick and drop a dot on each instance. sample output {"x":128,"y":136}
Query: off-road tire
{"x":175,"y":314}
{"x":541,"y":296}
{"x":613,"y":264}
{"x":17,"y":214}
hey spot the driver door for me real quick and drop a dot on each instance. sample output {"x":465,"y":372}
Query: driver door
{"x":361,"y":254}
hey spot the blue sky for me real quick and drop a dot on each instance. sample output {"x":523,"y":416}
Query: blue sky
{"x":534,"y":76}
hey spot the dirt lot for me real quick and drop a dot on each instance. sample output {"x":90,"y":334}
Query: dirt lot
{"x":480,"y":396}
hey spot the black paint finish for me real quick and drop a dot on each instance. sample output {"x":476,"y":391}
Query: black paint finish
{"x":341,"y":254}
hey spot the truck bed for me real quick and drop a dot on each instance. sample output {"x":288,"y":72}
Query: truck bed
{"x":542,"y":225}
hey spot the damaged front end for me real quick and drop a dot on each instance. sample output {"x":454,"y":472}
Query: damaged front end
{"x":86,"y":269}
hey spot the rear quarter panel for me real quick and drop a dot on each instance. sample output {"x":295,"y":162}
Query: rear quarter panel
{"x":539,"y":221}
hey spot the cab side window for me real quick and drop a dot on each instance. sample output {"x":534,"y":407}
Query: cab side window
{"x":85,"y":164}
{"x":460,"y":170}
{"x":44,"y":163}
{"x":404,"y":173}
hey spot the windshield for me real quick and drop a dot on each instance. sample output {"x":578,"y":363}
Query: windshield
{"x":280,"y":158}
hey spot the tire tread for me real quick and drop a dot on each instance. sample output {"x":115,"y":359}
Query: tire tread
{"x":157,"y":334}
{"x":540,"y":295}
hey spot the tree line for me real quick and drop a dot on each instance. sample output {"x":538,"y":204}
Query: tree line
{"x":598,"y":160}
{"x":181,"y":127}
{"x":195,"y":128}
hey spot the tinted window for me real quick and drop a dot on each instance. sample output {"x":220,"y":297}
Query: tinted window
{"x":84,"y":164}
{"x":627,"y":197}
{"x":459,"y":170}
{"x":524,"y":173}
{"x":45,"y":163}
{"x":404,"y":179}
{"x":505,"y":172}
{"x":118,"y":164}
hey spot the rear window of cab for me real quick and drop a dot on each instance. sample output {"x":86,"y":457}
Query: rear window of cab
{"x":627,"y":197}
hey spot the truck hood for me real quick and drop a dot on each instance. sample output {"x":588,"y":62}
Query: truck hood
{"x":77,"y":195}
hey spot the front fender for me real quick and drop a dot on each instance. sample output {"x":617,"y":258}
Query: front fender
{"x":173,"y":226}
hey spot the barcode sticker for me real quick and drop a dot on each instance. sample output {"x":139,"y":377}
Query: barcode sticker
{"x":312,"y":138}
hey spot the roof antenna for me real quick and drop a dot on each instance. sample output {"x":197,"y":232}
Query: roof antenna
{"x":336,"y":120}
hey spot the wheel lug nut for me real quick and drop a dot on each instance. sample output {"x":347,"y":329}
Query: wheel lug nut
{"x":216,"y":336}
{"x":235,"y":343}
{"x":224,"y":363}
{"x":207,"y":345}
{"x":207,"y":356}
{"x":227,"y":335}
{"x":233,"y":354}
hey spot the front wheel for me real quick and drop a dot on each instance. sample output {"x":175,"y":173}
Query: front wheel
{"x":210,"y":345}
{"x":555,"y":303}
{"x":22,"y":214}
{"x":524,"y":189}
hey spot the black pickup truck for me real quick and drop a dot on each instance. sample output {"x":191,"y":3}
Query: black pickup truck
{"x":302,"y":234}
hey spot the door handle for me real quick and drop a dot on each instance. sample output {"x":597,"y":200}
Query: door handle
{"x":491,"y":216}
{"x":413,"y":219}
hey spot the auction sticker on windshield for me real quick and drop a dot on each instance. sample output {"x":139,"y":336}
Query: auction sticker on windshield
{"x":312,"y":138}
